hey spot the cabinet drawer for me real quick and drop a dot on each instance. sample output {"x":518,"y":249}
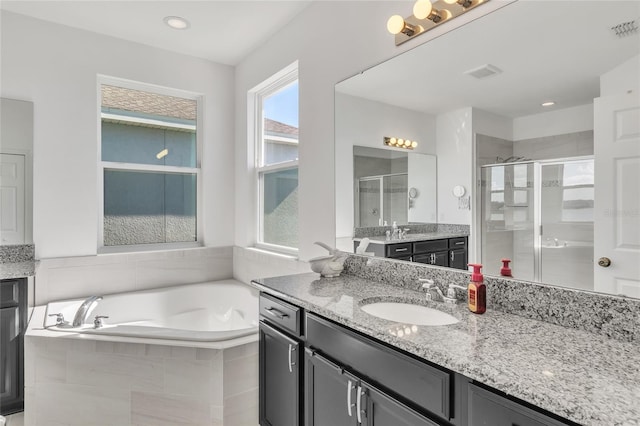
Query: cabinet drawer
{"x":9,"y":293}
{"x":280,"y":313}
{"x":430,"y":246}
{"x":460,"y":242}
{"x":397,"y":250}
{"x":490,"y":409}
{"x":424,"y":386}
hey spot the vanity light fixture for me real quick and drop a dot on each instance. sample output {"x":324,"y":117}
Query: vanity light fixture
{"x":427,"y":15}
{"x":400,"y":143}
{"x":176,"y":22}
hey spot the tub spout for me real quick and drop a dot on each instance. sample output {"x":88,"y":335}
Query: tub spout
{"x":85,"y":309}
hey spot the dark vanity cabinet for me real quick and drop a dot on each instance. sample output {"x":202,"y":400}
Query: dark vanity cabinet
{"x":448,"y":252}
{"x":280,"y":377}
{"x":13,"y":323}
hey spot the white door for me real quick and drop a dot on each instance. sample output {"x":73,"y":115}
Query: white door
{"x":617,"y":194}
{"x":12,"y":188}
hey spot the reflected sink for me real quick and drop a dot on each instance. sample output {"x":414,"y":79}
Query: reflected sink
{"x":409,"y":313}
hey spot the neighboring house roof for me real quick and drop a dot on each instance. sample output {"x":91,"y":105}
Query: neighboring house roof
{"x":123,"y":99}
{"x":276,"y":128}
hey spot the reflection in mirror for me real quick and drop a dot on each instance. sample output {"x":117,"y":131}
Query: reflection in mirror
{"x":393,"y":186}
{"x":541,"y":126}
{"x":16,"y":153}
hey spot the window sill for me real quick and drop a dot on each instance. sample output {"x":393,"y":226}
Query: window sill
{"x":148,"y":248}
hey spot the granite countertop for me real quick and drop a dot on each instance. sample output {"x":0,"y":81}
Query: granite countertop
{"x":586,"y":378}
{"x":382,"y":239}
{"x":17,"y":269}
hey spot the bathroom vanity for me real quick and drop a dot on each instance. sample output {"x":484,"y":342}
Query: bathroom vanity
{"x":323,"y":360}
{"x":440,"y":249}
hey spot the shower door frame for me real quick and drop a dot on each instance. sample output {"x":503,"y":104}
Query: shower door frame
{"x":357,"y":195}
{"x":537,"y":207}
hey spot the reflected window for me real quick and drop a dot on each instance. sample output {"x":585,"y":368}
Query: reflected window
{"x":149,"y":160}
{"x":577,"y":192}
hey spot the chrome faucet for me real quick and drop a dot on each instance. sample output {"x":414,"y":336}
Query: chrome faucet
{"x":85,"y":309}
{"x":434,"y":293}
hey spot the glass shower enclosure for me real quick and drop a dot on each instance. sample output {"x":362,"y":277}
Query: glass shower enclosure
{"x":539,"y":214}
{"x":381,"y":199}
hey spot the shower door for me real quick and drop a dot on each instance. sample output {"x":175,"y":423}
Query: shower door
{"x":566,"y":219}
{"x":382,"y":199}
{"x":508,"y":219}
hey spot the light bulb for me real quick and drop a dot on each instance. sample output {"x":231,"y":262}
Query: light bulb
{"x":414,"y":144}
{"x":407,"y":143}
{"x":450,"y":1}
{"x":392,"y":141}
{"x":400,"y":142}
{"x":395,"y":24}
{"x":422,"y":9}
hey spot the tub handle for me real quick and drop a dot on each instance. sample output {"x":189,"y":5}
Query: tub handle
{"x":97,"y":322}
{"x":291,"y":363}
{"x":276,"y":313}
{"x":59,"y":318}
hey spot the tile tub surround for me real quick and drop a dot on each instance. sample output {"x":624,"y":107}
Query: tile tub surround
{"x":612,"y":316}
{"x":81,"y":382}
{"x":586,"y":378}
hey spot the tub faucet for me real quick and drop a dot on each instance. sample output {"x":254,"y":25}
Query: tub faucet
{"x":85,"y":309}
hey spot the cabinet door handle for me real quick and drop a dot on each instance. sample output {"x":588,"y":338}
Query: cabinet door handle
{"x":276,"y":313}
{"x":401,"y":249}
{"x":359,"y":404}
{"x":460,"y":243}
{"x":291,"y":363}
{"x":350,"y":388}
{"x":453,"y":256}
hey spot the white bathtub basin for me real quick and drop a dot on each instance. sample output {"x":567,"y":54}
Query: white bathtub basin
{"x":409,"y":313}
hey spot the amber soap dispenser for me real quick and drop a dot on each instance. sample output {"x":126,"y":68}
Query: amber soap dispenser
{"x":477,"y":291}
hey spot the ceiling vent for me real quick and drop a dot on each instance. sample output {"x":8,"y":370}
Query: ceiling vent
{"x":624,"y":29}
{"x":484,"y":71}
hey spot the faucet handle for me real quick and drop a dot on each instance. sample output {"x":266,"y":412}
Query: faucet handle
{"x":451,"y":292}
{"x":428,"y":283}
{"x":97,"y":322}
{"x":59,"y":318}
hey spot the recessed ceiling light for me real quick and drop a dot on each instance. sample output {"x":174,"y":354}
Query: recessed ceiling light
{"x":176,"y":22}
{"x":548,"y":104}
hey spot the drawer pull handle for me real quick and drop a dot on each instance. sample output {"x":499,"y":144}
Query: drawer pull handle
{"x":276,"y":313}
{"x":460,"y":243}
{"x":401,"y":249}
{"x":350,"y":387}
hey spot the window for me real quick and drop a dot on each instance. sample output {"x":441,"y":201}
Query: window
{"x":149,"y":165}
{"x":276,"y":124}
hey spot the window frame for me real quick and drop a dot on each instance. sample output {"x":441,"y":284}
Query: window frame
{"x":277,"y":82}
{"x":136,"y":167}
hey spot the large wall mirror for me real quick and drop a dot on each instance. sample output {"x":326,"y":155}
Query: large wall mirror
{"x":16,"y":187}
{"x":534,"y":111}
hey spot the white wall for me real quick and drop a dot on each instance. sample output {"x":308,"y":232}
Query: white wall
{"x":332,"y":41}
{"x":362,"y":122}
{"x":454,"y":132}
{"x":622,"y":78}
{"x":55,"y":67}
{"x":555,"y":122}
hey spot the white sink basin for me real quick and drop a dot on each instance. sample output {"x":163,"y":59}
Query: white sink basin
{"x":409,"y":314}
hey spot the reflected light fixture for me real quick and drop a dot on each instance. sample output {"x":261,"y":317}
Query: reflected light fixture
{"x":176,"y":22}
{"x":427,"y":15}
{"x":400,"y":143}
{"x":162,"y":154}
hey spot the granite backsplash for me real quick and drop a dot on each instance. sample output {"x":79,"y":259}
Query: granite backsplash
{"x":613,"y":316}
{"x":414,"y":228}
